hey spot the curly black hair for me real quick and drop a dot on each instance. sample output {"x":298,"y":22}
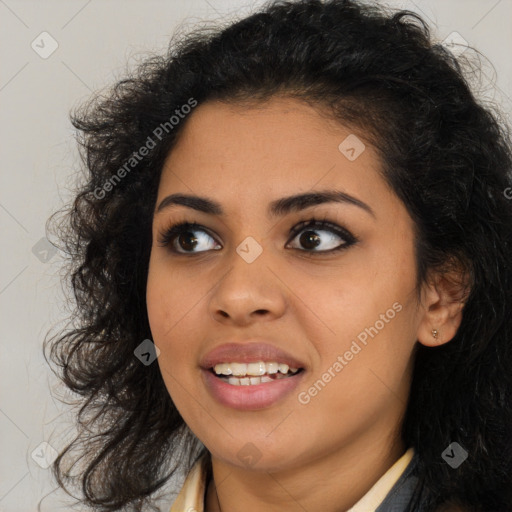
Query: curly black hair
{"x":446,"y":154}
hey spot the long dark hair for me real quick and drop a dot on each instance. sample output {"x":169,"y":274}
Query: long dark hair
{"x":446,"y":155}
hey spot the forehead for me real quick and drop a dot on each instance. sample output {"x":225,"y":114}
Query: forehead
{"x":268,"y":150}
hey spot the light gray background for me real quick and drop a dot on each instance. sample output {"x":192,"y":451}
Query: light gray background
{"x":98,"y":40}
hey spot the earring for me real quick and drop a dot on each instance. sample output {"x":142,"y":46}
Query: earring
{"x":435,"y":332}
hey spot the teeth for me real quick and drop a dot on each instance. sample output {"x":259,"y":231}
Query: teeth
{"x":250,"y":381}
{"x":237,"y":368}
{"x":256,"y":368}
{"x":272,"y":368}
{"x":283,"y":368}
{"x":253,"y":369}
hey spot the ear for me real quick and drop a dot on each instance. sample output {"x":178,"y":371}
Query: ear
{"x":443,"y":297}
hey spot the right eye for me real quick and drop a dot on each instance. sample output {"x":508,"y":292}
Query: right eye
{"x":183,"y":235}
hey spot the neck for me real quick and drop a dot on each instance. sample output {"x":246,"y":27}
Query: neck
{"x":331,"y":483}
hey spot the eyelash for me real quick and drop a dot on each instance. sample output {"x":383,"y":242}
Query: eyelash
{"x":168,"y":236}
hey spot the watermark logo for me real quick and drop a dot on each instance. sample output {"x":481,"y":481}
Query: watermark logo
{"x":454,"y":455}
{"x":147,"y":352}
{"x":249,"y":454}
{"x":455,"y":43}
{"x":249,"y":249}
{"x":44,"y":455}
{"x":43,"y":250}
{"x":44,"y":45}
{"x":351,"y":147}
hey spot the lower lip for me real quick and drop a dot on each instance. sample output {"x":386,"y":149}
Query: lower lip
{"x":249,"y":398}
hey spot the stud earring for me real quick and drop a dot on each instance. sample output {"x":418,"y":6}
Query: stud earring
{"x":435,"y":332}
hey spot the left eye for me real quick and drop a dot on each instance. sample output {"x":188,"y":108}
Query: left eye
{"x":310,"y":238}
{"x":182,"y":234}
{"x":182,"y":237}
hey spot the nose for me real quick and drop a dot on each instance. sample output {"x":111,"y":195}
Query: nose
{"x":247,"y":292}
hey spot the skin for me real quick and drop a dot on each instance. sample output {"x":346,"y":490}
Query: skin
{"x":326,"y":454}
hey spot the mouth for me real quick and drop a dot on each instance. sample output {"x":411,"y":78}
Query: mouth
{"x":251,"y":375}
{"x":252,"y":392}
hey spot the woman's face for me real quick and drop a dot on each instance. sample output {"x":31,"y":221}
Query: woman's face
{"x":251,"y":275}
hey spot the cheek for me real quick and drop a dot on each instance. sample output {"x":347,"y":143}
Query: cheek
{"x":166,"y":335}
{"x":357,"y":381}
{"x":157,"y":303}
{"x":172,"y":303}
{"x":170,"y":298}
{"x":371,"y":313}
{"x":164,"y":312}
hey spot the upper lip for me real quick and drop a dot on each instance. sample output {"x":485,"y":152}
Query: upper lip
{"x":248,"y":352}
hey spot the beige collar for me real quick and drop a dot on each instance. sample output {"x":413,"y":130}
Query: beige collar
{"x":191,"y":496}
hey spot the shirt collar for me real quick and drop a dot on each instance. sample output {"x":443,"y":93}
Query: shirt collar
{"x":191,"y":496}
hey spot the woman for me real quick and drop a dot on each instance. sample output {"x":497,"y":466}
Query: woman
{"x":290,"y":265}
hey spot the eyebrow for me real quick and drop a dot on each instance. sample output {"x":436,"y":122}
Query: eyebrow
{"x":278,"y":207}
